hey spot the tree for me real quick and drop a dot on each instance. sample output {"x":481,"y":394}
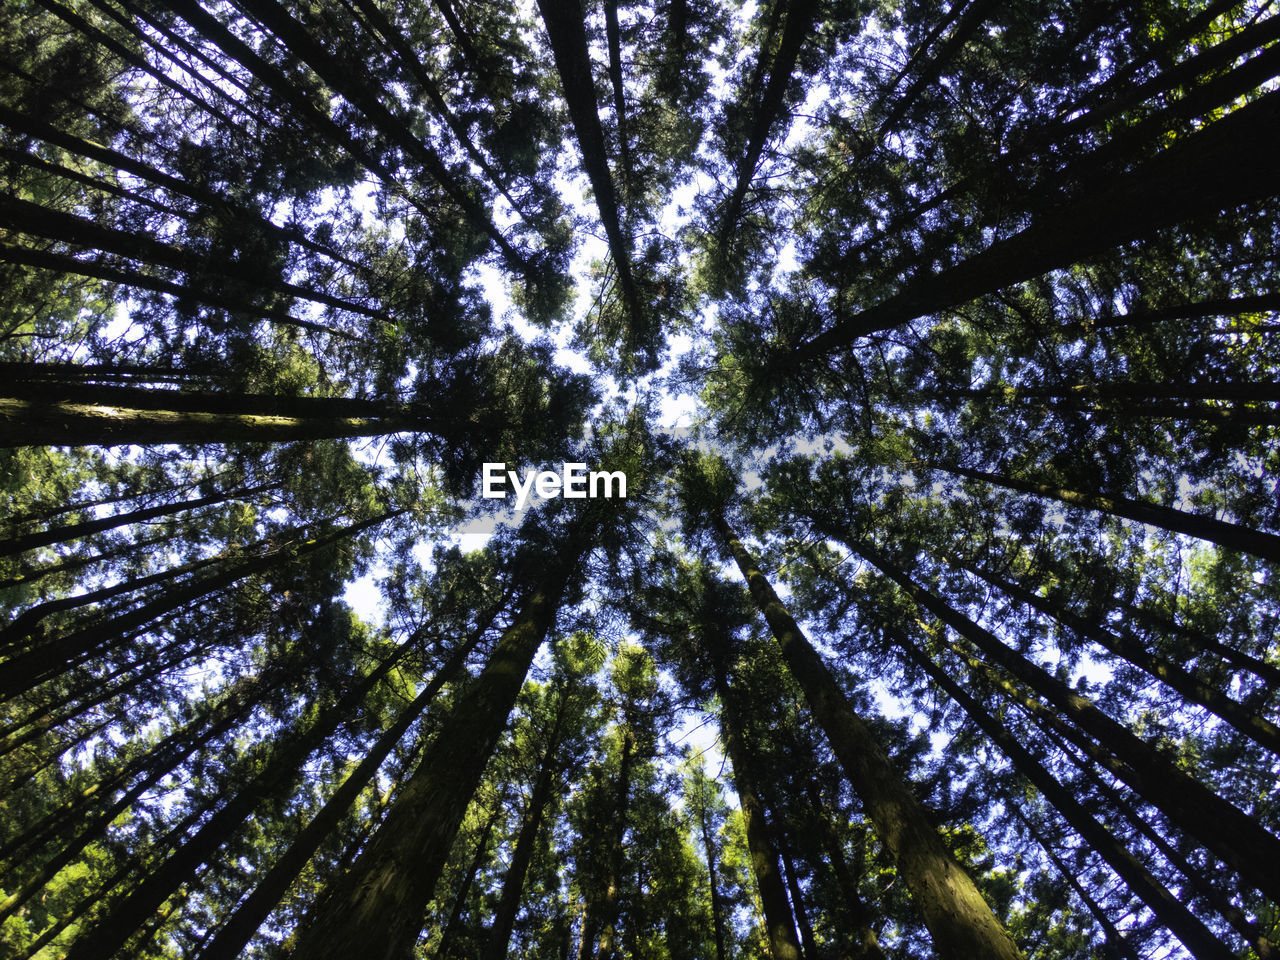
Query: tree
{"x":948,"y":628}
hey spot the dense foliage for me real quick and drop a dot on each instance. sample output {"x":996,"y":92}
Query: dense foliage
{"x":947,"y":627}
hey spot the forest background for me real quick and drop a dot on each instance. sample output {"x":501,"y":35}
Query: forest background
{"x":937,"y":342}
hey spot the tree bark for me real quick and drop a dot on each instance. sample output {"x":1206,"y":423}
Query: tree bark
{"x":1177,"y":918}
{"x":376,"y":909}
{"x":116,"y":927}
{"x":796,"y":29}
{"x":957,"y":916}
{"x":450,"y":936}
{"x":798,"y":910}
{"x":1228,"y":159}
{"x":1114,"y":938}
{"x":504,"y":915}
{"x":1233,"y":536}
{"x":40,"y":422}
{"x":31,"y":667}
{"x":78,"y":531}
{"x":568,"y":37}
{"x":765,"y":865}
{"x":717,"y":907}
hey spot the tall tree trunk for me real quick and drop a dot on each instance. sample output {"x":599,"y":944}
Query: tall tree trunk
{"x":376,"y":909}
{"x":504,"y":915}
{"x":1262,"y":731}
{"x":1114,"y":938}
{"x":55,"y":656}
{"x":37,"y":423}
{"x":957,"y":916}
{"x":86,"y":528}
{"x":341,"y":76}
{"x":1217,"y":900}
{"x":610,"y":906}
{"x":106,"y":415}
{"x":797,"y":28}
{"x":24,"y":624}
{"x":863,"y":943}
{"x":39,"y":221}
{"x":1228,"y":159}
{"x":451,"y":935}
{"x":120,"y":922}
{"x":79,"y":826}
{"x":1176,"y":917}
{"x":973,"y":14}
{"x":200,"y":293}
{"x":32,"y":575}
{"x":149,"y":768}
{"x":1233,"y":536}
{"x":567,"y":33}
{"x":798,"y":910}
{"x":1239,"y":840}
{"x":115,"y":881}
{"x":613,"y":35}
{"x":717,"y":905}
{"x":232,"y":936}
{"x":765,"y":865}
{"x":1222,"y":307}
{"x":1203,"y":643}
{"x":413,"y":63}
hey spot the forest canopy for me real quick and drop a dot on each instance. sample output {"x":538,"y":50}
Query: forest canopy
{"x":936,"y":343}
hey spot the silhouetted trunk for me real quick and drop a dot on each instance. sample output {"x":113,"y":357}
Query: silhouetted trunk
{"x":1203,"y":643}
{"x":568,"y":37}
{"x":346,"y":78}
{"x":243,"y":279}
{"x":198,"y":293}
{"x":972,"y":16}
{"x":613,"y":36}
{"x":765,"y":865}
{"x":451,"y":935}
{"x":413,"y":63}
{"x":504,"y":915}
{"x":1227,"y":160}
{"x":1194,"y":934}
{"x":797,"y":29}
{"x":1230,"y":535}
{"x":1195,"y":876}
{"x":610,"y":905}
{"x":31,"y":575}
{"x":59,"y":654}
{"x":86,"y":528}
{"x":1236,"y":838}
{"x":1259,"y":729}
{"x":798,"y":910}
{"x":1116,"y":940}
{"x":717,"y":903}
{"x":283,"y":766}
{"x":78,"y":825}
{"x":862,"y":941}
